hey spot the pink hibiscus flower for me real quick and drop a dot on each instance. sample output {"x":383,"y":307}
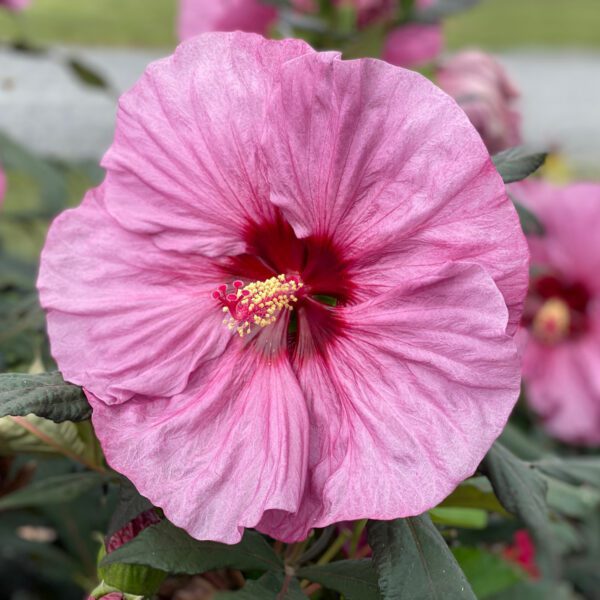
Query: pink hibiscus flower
{"x":562,"y":353}
{"x":292,"y":301}
{"x":15,"y":4}
{"x":482,"y":88}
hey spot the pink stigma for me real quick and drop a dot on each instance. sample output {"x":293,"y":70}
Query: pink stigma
{"x":259,"y":303}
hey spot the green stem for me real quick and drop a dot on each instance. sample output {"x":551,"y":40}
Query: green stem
{"x":294,"y":551}
{"x":337,"y":545}
{"x":359,"y":527}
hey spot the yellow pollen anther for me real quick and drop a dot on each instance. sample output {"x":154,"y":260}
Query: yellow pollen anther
{"x":552,"y":321}
{"x":258,"y":303}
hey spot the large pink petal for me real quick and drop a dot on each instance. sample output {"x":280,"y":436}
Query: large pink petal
{"x":184,"y":165}
{"x":201,"y":16}
{"x":405,"y":405}
{"x":386,"y":164}
{"x":125,"y":317}
{"x":217,"y":456}
{"x":563,"y":386}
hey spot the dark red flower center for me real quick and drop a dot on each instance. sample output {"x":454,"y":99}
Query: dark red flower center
{"x":283,"y":277}
{"x":556,"y":309}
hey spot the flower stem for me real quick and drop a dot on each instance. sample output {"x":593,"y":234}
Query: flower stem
{"x":309,"y":590}
{"x":330,"y":553}
{"x":359,"y":527}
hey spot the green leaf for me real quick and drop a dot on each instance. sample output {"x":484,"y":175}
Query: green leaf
{"x":131,"y":579}
{"x":518,"y":163}
{"x":530,"y":224}
{"x":51,"y":182}
{"x":368,"y":42}
{"x":355,"y":579}
{"x":86,"y":74}
{"x":93,"y":452}
{"x":442,"y":9}
{"x":168,"y":548}
{"x":269,"y":587}
{"x":476,"y":492}
{"x":578,"y":470}
{"x":530,"y":590}
{"x":520,"y":444}
{"x":570,"y":500}
{"x":568,"y":538}
{"x":103,"y":589}
{"x":486,"y":572}
{"x":468,"y":518}
{"x":584,"y":573}
{"x":52,"y":490}
{"x":413,"y":561}
{"x":37,"y":435}
{"x":46,"y":395}
{"x":522,"y":492}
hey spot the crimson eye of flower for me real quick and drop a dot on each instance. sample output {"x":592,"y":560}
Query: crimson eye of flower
{"x":557,"y":309}
{"x":284,"y":277}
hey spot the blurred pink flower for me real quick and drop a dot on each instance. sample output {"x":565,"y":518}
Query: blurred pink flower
{"x":359,"y":245}
{"x":201,"y":16}
{"x":413,"y":45}
{"x":482,"y":88}
{"x":522,"y":553}
{"x":111,"y":596}
{"x":15,"y":4}
{"x":372,"y":10}
{"x":562,"y":317}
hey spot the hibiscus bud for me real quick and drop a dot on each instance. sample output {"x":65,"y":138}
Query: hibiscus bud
{"x":484,"y":91}
{"x":132,"y":529}
{"x":133,"y":579}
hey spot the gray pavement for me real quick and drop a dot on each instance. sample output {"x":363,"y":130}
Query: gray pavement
{"x":43,"y":105}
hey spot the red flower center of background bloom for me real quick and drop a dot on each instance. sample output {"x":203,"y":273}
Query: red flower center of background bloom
{"x":556,"y":310}
{"x":300,"y":280}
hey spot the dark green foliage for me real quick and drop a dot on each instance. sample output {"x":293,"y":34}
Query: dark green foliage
{"x":171,"y":549}
{"x":355,"y":579}
{"x":46,"y":395}
{"x":518,"y":163}
{"x":413,"y":561}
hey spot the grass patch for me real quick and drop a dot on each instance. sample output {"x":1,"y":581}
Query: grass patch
{"x":494,"y":24}
{"x":134,"y":23}
{"x":505,"y":24}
